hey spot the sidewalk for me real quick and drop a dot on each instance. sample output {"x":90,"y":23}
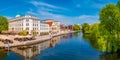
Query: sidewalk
{"x":38,"y":39}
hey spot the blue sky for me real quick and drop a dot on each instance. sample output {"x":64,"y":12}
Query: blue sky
{"x":65,"y":11}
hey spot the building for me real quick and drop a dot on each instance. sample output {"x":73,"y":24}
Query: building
{"x":54,"y":26}
{"x":28,"y":23}
{"x":44,"y":29}
{"x":64,"y":28}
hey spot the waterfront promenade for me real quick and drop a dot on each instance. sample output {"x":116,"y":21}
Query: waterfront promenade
{"x":37,"y":40}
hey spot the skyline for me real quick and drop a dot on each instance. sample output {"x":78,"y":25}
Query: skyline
{"x":75,"y":11}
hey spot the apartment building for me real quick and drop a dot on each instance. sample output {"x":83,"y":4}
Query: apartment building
{"x":27,"y":23}
{"x":44,"y":29}
{"x":54,"y":26}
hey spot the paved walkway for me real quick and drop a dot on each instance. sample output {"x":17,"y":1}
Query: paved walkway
{"x":38,"y":39}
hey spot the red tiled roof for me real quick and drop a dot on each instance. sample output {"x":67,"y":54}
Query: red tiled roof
{"x":50,"y":23}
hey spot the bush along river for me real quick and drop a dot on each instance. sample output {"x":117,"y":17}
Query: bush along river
{"x":73,"y":46}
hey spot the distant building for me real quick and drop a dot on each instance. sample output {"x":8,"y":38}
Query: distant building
{"x":44,"y":29}
{"x":27,"y":23}
{"x":64,"y":27}
{"x":70,"y":27}
{"x":54,"y":26}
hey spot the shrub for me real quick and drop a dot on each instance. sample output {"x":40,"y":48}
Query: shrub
{"x":33,"y":32}
{"x":23,"y":33}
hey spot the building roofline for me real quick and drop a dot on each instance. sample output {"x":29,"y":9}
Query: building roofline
{"x":51,"y":19}
{"x":14,"y":19}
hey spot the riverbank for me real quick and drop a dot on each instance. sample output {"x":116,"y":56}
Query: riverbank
{"x":37,"y":40}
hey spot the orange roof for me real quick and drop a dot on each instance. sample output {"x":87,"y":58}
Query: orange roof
{"x":50,"y":23}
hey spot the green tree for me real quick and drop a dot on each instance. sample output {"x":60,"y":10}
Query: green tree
{"x":76,"y":27}
{"x":118,"y":22}
{"x":95,"y":31}
{"x":105,"y":36}
{"x":118,"y":4}
{"x":86,"y":28}
{"x":109,"y":18}
{"x":3,"y":24}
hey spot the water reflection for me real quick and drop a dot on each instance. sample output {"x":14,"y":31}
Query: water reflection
{"x":76,"y":34}
{"x":113,"y":56}
{"x":54,"y":41}
{"x":106,"y":46}
{"x":3,"y":53}
{"x":70,"y":35}
{"x":66,"y":47}
{"x":28,"y":52}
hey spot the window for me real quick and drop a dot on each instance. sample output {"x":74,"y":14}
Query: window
{"x":27,"y":24}
{"x":27,"y":28}
{"x":27,"y":20}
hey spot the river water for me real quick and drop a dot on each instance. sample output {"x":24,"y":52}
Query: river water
{"x":66,"y":47}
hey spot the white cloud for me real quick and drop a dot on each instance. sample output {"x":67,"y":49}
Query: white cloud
{"x":67,"y":19}
{"x":47,"y":15}
{"x":43,"y":11}
{"x":43,"y":4}
{"x":8,"y":17}
{"x":89,"y":18}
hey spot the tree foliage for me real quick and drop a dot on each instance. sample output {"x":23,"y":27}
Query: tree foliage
{"x":118,"y":4}
{"x":3,"y":24}
{"x":23,"y":33}
{"x":76,"y":27}
{"x":95,"y":31}
{"x":106,"y":35}
{"x":109,"y":17}
{"x":86,"y":28}
{"x":33,"y":32}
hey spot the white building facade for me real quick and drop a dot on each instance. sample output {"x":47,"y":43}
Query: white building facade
{"x":54,"y":26}
{"x":28,"y":23}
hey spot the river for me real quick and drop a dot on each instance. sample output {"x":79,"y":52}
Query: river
{"x":66,"y":47}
